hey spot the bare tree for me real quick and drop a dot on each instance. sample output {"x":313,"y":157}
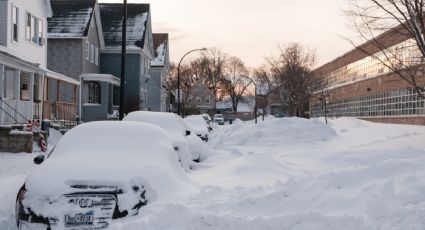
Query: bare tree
{"x":236,"y":80}
{"x":212,"y":62}
{"x":291,"y":71}
{"x":384,"y":24}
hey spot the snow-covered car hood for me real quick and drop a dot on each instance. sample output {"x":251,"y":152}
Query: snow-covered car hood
{"x":197,"y":124}
{"x":111,"y":153}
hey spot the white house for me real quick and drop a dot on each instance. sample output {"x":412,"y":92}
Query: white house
{"x":23,"y":58}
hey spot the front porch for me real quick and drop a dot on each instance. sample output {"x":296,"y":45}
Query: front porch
{"x":20,"y":90}
{"x":60,"y":104}
{"x":99,"y":97}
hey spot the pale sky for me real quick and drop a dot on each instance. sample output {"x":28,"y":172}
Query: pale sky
{"x":251,"y":29}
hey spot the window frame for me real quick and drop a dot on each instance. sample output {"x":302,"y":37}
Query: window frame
{"x":15,"y":23}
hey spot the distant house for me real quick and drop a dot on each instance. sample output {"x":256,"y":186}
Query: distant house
{"x":75,"y":39}
{"x":139,"y":52}
{"x":244,"y":111}
{"x":199,"y":100}
{"x":23,"y":59}
{"x":160,"y":66}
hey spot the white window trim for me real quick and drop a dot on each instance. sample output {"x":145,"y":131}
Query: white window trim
{"x":34,"y":26}
{"x":92,"y":53}
{"x":96,"y":56}
{"x":17,"y":24}
{"x":87,"y":50}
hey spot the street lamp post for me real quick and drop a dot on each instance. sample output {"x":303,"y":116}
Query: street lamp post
{"x":178,"y":78}
{"x":255,"y":101}
{"x":123,"y":53}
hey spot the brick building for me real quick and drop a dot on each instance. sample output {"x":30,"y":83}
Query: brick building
{"x":358,"y":85}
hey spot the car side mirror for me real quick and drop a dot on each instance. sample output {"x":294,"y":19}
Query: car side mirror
{"x":188,"y":132}
{"x":39,"y":159}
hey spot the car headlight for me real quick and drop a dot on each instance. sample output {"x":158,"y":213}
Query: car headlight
{"x":21,"y":195}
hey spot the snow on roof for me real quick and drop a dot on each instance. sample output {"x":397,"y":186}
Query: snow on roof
{"x":111,"y":15}
{"x":223,"y":105}
{"x":160,"y":56}
{"x":160,"y":43}
{"x":70,"y":18}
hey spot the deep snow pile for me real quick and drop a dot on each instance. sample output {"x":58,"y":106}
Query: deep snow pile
{"x":293,"y":174}
{"x":273,"y":132}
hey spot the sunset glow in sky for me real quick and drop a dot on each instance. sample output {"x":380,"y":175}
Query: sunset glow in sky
{"x":251,"y":30}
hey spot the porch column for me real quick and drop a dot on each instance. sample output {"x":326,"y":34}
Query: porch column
{"x":31,"y":94}
{"x":17,"y":84}
{"x":2,"y":80}
{"x":2,"y":73}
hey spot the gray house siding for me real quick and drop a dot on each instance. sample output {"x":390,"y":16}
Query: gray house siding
{"x":92,"y":38}
{"x":64,"y":56}
{"x":98,"y":112}
{"x":52,"y":94}
{"x":111,"y":64}
{"x":3,"y":22}
{"x":154,"y":90}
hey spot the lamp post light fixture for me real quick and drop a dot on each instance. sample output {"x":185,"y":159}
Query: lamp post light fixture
{"x":179,"y":91}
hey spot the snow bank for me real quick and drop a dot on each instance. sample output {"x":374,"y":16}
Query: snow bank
{"x":273,"y":132}
{"x":291,"y":174}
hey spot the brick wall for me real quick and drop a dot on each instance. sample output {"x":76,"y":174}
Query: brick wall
{"x":413,"y":120}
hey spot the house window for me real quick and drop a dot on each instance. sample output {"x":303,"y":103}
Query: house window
{"x":15,"y":17}
{"x":93,"y":92}
{"x":9,"y":85}
{"x":91,"y":53}
{"x":34,"y":30}
{"x":96,"y":56}
{"x":40,"y":32}
{"x":28,"y":28}
{"x":25,"y":87}
{"x":87,"y":50}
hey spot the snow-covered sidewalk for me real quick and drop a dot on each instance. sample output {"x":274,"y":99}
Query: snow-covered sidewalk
{"x":285,"y":174}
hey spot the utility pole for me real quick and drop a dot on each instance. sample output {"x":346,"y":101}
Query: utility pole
{"x":123,"y":54}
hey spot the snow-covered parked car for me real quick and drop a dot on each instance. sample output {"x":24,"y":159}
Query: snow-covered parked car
{"x":176,"y":128}
{"x":198,"y":125}
{"x":219,"y":119}
{"x":98,"y":172}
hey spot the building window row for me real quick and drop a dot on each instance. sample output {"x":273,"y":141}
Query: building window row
{"x":34,"y":32}
{"x":403,"y":102}
{"x":34,"y":29}
{"x":405,"y":53}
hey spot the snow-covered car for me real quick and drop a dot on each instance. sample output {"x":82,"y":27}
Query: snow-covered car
{"x":98,"y":172}
{"x":198,"y":125}
{"x":208,"y":120}
{"x":176,"y":128}
{"x":219,"y":119}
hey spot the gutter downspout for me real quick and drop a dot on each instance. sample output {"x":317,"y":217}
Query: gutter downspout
{"x":80,"y":94}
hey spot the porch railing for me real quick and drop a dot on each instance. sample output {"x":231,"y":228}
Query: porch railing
{"x":62,"y":113}
{"x":15,"y":111}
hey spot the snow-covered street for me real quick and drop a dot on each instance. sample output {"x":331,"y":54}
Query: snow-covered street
{"x":284,"y":174}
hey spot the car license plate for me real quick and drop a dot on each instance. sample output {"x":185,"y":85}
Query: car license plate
{"x":79,"y":219}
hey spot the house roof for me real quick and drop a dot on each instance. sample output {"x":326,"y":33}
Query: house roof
{"x":137,"y":20}
{"x":71,"y":18}
{"x":160,"y":44}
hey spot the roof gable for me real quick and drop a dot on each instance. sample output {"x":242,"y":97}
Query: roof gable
{"x":111,"y":15}
{"x":71,"y":18}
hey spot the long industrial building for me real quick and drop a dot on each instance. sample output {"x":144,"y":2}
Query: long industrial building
{"x":358,"y":85}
